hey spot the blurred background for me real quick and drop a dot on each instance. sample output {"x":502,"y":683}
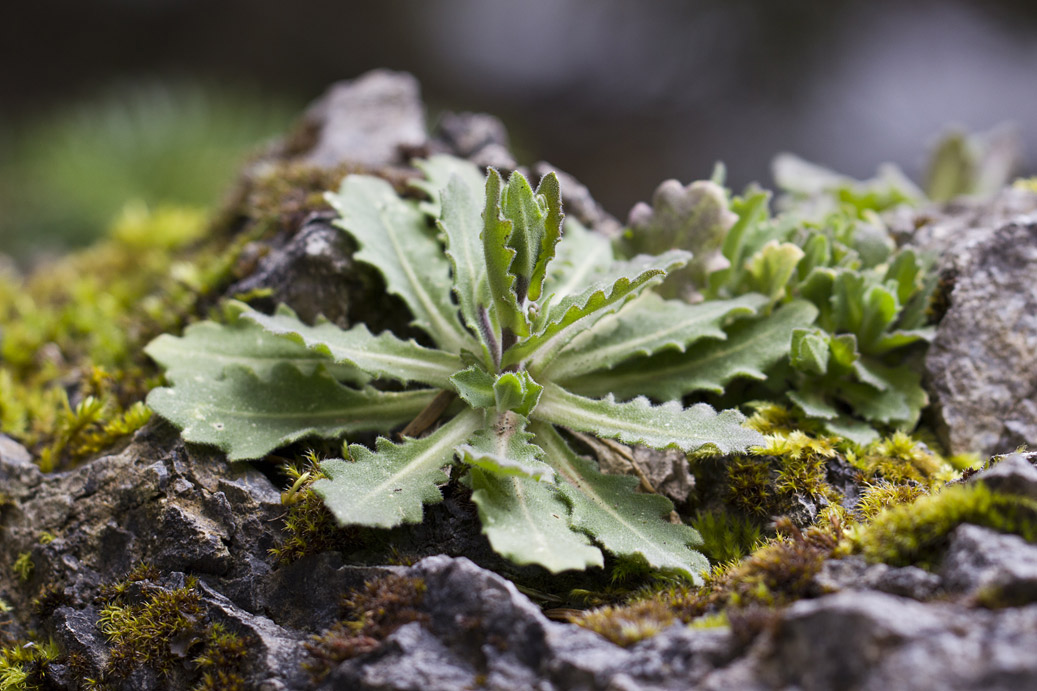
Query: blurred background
{"x":159,"y":100}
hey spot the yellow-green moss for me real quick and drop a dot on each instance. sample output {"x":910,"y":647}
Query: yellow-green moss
{"x":901,"y":459}
{"x":915,"y":533}
{"x":23,"y":665}
{"x":221,"y":660}
{"x":23,"y":566}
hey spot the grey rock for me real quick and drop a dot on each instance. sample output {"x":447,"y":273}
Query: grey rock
{"x":314,"y":273}
{"x":1013,"y":474}
{"x":373,"y":121}
{"x":579,"y":203}
{"x":981,"y":368}
{"x":996,"y":568}
{"x":480,"y":138}
{"x":854,"y":573}
{"x":666,"y":472}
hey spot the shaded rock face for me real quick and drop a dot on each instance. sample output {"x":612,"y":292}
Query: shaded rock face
{"x":981,"y":368}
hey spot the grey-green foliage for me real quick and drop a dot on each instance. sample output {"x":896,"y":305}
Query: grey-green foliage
{"x":524,"y":317}
{"x":850,"y":306}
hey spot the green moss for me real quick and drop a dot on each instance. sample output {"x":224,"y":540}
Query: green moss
{"x":373,"y":613}
{"x":309,"y":527}
{"x":626,"y":625}
{"x":222,"y":660}
{"x":23,"y":665}
{"x":143,"y":633}
{"x":916,"y":533}
{"x":902,"y":459}
{"x":726,"y":536}
{"x":23,"y":566}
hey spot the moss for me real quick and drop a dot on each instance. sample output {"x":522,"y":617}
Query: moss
{"x":222,"y":660}
{"x":373,"y":613}
{"x":882,"y":495}
{"x":23,"y":566}
{"x":902,"y":459}
{"x":309,"y":527}
{"x":916,"y":533}
{"x":23,"y":665}
{"x":143,"y":633}
{"x":726,"y":536}
{"x":628,"y":624}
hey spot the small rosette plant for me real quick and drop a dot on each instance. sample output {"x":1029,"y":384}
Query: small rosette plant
{"x":518,"y":311}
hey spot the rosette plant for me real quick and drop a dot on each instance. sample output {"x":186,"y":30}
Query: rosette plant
{"x":516,"y":309}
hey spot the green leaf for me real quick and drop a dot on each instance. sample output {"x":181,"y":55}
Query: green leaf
{"x":695,"y":218}
{"x":623,"y":522}
{"x":388,"y":486}
{"x":248,"y":416}
{"x":475,"y":386}
{"x":206,"y":348}
{"x":516,"y":391}
{"x":462,"y":225}
{"x":772,"y":267}
{"x":383,"y":356}
{"x":645,"y":326}
{"x":504,"y":449}
{"x":810,"y":351}
{"x":639,"y":422}
{"x":813,"y":404}
{"x":500,"y":257}
{"x":752,"y":346}
{"x":577,"y":312}
{"x":439,"y":170}
{"x":886,"y":395}
{"x":528,"y":522}
{"x":550,"y":191}
{"x":581,"y":254}
{"x":394,"y":238}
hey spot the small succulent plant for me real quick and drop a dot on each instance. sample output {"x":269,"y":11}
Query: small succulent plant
{"x":533,"y":318}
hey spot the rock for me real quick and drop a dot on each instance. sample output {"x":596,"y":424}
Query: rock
{"x":372,"y":121}
{"x":1014,"y":474}
{"x":480,"y":138}
{"x":853,"y":573}
{"x":981,"y":368}
{"x":994,"y":568}
{"x":315,"y":274}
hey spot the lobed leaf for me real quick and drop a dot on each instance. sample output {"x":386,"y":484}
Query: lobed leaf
{"x":527,"y":522}
{"x":645,"y":326}
{"x":439,"y":170}
{"x":206,"y":348}
{"x":388,"y":486}
{"x":393,"y":238}
{"x":504,"y":448}
{"x":752,"y":346}
{"x":623,"y":522}
{"x":383,"y":356}
{"x":639,"y":422}
{"x":248,"y":416}
{"x":577,"y":312}
{"x":580,"y":255}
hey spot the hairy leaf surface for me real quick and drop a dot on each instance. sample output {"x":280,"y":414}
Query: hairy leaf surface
{"x":752,"y":346}
{"x":383,"y":355}
{"x":580,"y":255}
{"x":248,"y":416}
{"x":527,"y":521}
{"x":394,"y":238}
{"x":576,"y":312}
{"x":645,"y":326}
{"x":639,"y":422}
{"x":623,"y":522}
{"x":504,"y":448}
{"x":388,"y":486}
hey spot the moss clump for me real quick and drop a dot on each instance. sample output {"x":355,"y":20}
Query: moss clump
{"x":384,"y":605}
{"x":23,"y":665}
{"x":916,"y":533}
{"x":23,"y":566}
{"x":901,"y":459}
{"x":309,"y":527}
{"x":626,"y":625}
{"x":726,"y":536}
{"x":143,"y":633}
{"x":221,"y":660}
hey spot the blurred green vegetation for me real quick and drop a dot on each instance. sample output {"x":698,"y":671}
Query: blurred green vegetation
{"x":65,"y":177}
